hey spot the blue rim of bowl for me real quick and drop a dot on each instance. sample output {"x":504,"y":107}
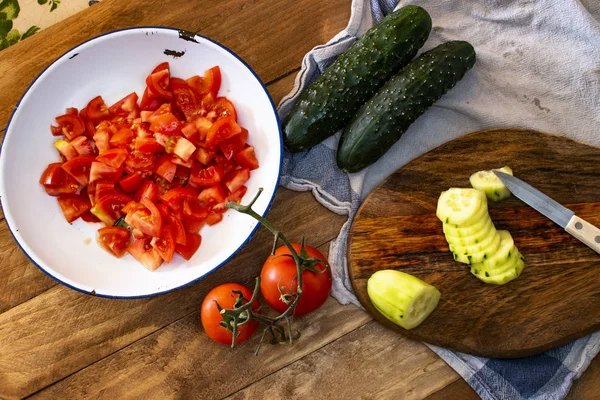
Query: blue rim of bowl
{"x":93,"y":293}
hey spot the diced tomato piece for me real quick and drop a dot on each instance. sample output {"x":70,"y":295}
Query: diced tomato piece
{"x":212,"y":80}
{"x":102,"y":188}
{"x":142,"y":250}
{"x":246,"y":158}
{"x":114,"y":239}
{"x":221,"y":130}
{"x":184,"y":98}
{"x":150,"y":102}
{"x":192,"y":244}
{"x":148,"y":145}
{"x":204,"y":156}
{"x":224,"y":108}
{"x":72,"y":111}
{"x":56,"y":131}
{"x":66,"y":149}
{"x":213,"y":195}
{"x":165,"y":244}
{"x":96,"y":110}
{"x":206,"y":104}
{"x":236,"y":196}
{"x":89,"y":217}
{"x":208,"y":176}
{"x":234,"y":144}
{"x":237,"y":179}
{"x":184,"y":148}
{"x":161,"y":66}
{"x":167,"y":141}
{"x":180,"y":236}
{"x":187,"y":164}
{"x":194,"y":209}
{"x":71,"y":125}
{"x":165,"y":168}
{"x":148,"y":220}
{"x":138,"y":161}
{"x":192,"y":226}
{"x":228,"y":165}
{"x":108,"y":209}
{"x":175,"y":197}
{"x":131,"y":182}
{"x":182,"y":175}
{"x":126,"y":107}
{"x":214,"y":217}
{"x":166,"y":123}
{"x":82,"y":146}
{"x":158,"y":83}
{"x":195,"y":82}
{"x":79,"y":168}
{"x":57,"y":182}
{"x":102,"y":140}
{"x":113,"y":157}
{"x":100,"y":170}
{"x":74,"y":206}
{"x":189,"y":130}
{"x":131,"y":207}
{"x":202,"y":126}
{"x":122,"y":138}
{"x":148,"y":190}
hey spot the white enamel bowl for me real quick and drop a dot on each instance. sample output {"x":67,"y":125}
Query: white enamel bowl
{"x":113,"y":65}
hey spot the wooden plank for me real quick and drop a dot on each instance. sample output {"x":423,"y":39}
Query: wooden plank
{"x":20,"y":279}
{"x":273,"y":47}
{"x":458,"y":389}
{"x":370,"y":362}
{"x":36,"y":351}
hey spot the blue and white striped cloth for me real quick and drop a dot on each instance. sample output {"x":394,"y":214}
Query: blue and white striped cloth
{"x":526,"y":76}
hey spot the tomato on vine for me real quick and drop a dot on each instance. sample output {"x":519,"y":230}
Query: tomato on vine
{"x":279,"y":278}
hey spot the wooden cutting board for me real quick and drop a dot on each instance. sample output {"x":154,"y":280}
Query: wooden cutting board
{"x":557,"y":297}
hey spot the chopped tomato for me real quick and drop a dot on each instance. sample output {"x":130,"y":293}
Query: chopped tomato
{"x":150,"y":102}
{"x":184,"y":148}
{"x":206,"y":104}
{"x":113,"y":157}
{"x":89,"y":217}
{"x":158,"y":83}
{"x":74,"y":206}
{"x":114,"y":239}
{"x":65,"y":149}
{"x":237,"y":179}
{"x":212,"y":80}
{"x":213,"y":195}
{"x":224,"y":108}
{"x":187,"y":164}
{"x":142,"y":250}
{"x":138,"y":161}
{"x":165,"y":244}
{"x":194,"y":209}
{"x":222,"y":129}
{"x":96,"y":110}
{"x":192,"y":244}
{"x":148,"y":190}
{"x":82,"y":146}
{"x":102,"y":188}
{"x":213,"y":218}
{"x":165,"y":168}
{"x":131,"y":183}
{"x":192,"y":226}
{"x":175,"y":197}
{"x":166,"y":123}
{"x":102,"y":140}
{"x":70,"y":125}
{"x":208,"y":176}
{"x":184,"y":98}
{"x":234,"y":144}
{"x":236,"y":196}
{"x":126,"y":107}
{"x":79,"y":168}
{"x":148,"y":220}
{"x":246,"y":158}
{"x":108,"y":209}
{"x":99,"y":170}
{"x":189,"y":130}
{"x":202,"y":126}
{"x":204,"y":156}
{"x":122,"y":138}
{"x":148,"y":145}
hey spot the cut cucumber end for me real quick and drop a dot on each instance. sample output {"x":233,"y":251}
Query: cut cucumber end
{"x":402,"y":298}
{"x":460,"y":206}
{"x":490,"y":184}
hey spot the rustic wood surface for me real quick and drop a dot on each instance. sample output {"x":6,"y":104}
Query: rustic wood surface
{"x":557,"y":297}
{"x":58,"y":343}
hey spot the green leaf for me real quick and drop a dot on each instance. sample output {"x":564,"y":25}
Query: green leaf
{"x":5,"y":26}
{"x":13,"y":37}
{"x":33,"y":29}
{"x":10,"y":8}
{"x":41,"y":2}
{"x":3,"y":43}
{"x":54,"y":5}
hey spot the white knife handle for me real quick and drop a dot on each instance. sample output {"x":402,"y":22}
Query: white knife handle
{"x":584,"y":231}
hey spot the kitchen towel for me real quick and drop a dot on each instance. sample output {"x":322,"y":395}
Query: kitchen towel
{"x":538,"y":67}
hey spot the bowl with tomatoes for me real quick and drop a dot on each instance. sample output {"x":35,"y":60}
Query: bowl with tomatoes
{"x":115,"y":171}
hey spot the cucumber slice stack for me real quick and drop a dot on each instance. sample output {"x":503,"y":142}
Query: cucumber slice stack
{"x":490,"y":184}
{"x":473,"y":239}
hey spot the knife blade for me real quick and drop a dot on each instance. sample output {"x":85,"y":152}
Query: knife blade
{"x":551,"y":209}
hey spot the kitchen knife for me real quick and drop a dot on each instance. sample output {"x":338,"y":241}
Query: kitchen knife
{"x":561,"y":215}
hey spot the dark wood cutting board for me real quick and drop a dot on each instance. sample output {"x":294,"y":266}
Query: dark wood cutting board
{"x":557,"y":297}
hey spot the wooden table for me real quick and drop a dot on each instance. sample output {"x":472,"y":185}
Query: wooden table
{"x":58,"y":343}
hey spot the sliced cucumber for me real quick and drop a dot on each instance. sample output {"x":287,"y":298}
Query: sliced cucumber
{"x":479,"y":236}
{"x":502,"y":267}
{"x":512,"y":271}
{"x":464,"y":231}
{"x":402,"y":298}
{"x":475,"y":248}
{"x":503,"y":254}
{"x":459,"y":206}
{"x":490,"y":184}
{"x":464,"y":256}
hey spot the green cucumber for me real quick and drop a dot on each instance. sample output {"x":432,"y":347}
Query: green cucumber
{"x":382,"y":120}
{"x":333,"y":98}
{"x":458,"y":206}
{"x":464,"y":255}
{"x":490,"y":184}
{"x":461,"y":231}
{"x":475,"y":245}
{"x":479,"y":236}
{"x":402,"y":298}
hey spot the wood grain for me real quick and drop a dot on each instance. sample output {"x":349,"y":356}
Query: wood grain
{"x":556,"y":299}
{"x":391,"y":367}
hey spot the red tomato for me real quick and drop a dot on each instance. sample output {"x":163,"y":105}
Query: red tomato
{"x":208,"y":176}
{"x":184,"y":98}
{"x":99,"y":170}
{"x":214,"y":217}
{"x":71,"y":125}
{"x":204,"y":156}
{"x":166,"y":123}
{"x":126,"y":107}
{"x":131,"y":183}
{"x":148,"y":190}
{"x":191,"y":245}
{"x":148,"y":220}
{"x":192,"y":226}
{"x":246,"y":158}
{"x":65,"y":149}
{"x":108,"y":209}
{"x":211,"y":318}
{"x":158,"y":83}
{"x":114,"y":239}
{"x":96,"y":110}
{"x":194,"y":209}
{"x":150,"y":102}
{"x":237,"y":179}
{"x":234,"y":144}
{"x":165,"y":168}
{"x":213,"y":195}
{"x":122,"y":138}
{"x":279,"y":273}
{"x":142,"y":250}
{"x":222,"y":129}
{"x":82,"y":146}
{"x":79,"y":168}
{"x":236,"y":196}
{"x":224,"y":108}
{"x":175,"y":197}
{"x":138,"y":161}
{"x":211,"y":80}
{"x":165,"y":245}
{"x":74,"y":206}
{"x":57,"y":182}
{"x":102,"y":188}
{"x":148,"y":145}
{"x":113,"y":157}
